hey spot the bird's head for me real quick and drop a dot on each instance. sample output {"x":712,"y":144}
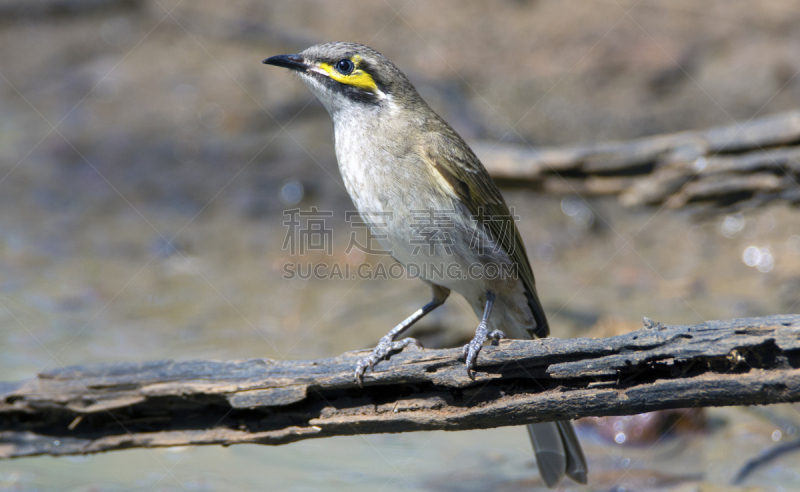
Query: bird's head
{"x":348,"y":76}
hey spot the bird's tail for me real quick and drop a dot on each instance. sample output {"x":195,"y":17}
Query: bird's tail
{"x":558,"y":452}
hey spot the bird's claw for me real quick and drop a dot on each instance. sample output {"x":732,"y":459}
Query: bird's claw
{"x":471,"y":355}
{"x":384,"y":347}
{"x":361,"y":368}
{"x":473,"y":348}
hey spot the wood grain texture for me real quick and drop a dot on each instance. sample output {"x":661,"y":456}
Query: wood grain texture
{"x":93,"y":408}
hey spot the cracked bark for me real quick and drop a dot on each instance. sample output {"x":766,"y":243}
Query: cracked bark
{"x":101,"y":407}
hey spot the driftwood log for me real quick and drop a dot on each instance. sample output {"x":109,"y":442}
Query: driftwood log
{"x":88,"y":409}
{"x":724,"y":169}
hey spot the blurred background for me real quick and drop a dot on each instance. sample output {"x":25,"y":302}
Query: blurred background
{"x":147,"y":159}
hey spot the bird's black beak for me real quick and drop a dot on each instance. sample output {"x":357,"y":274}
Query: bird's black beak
{"x":292,"y":62}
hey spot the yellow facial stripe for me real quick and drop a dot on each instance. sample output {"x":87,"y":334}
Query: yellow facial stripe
{"x":357,"y":78}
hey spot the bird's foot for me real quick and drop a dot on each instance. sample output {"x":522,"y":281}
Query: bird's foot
{"x":385,"y":346}
{"x":473,"y":348}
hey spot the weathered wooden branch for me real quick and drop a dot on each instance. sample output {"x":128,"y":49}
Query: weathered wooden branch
{"x":89,"y":409}
{"x":730,"y":167}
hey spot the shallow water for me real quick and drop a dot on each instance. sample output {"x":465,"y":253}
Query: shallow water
{"x":99,"y":286}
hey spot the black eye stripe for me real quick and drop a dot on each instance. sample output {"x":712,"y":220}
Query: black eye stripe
{"x":345,"y":66}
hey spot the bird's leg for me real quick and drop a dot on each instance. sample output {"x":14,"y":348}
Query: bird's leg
{"x":473,"y":348}
{"x":388,"y":344}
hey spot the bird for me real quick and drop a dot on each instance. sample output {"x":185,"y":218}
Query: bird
{"x":402,"y":164}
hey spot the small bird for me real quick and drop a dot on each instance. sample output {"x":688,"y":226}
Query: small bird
{"x":400,"y":160}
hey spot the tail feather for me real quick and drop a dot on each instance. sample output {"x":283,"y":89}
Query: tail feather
{"x":576,"y":461}
{"x":558,"y":452}
{"x":542,"y":328}
{"x":548,"y":447}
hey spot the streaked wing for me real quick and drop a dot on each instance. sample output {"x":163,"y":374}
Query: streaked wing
{"x":464,"y":175}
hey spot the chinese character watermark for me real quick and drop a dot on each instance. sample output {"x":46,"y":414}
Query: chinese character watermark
{"x":494,"y":233}
{"x":431,"y":235}
{"x":307,"y":231}
{"x":432,"y":228}
{"x":373,"y":230}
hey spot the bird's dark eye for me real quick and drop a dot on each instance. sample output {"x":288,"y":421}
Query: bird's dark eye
{"x":345,"y":66}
